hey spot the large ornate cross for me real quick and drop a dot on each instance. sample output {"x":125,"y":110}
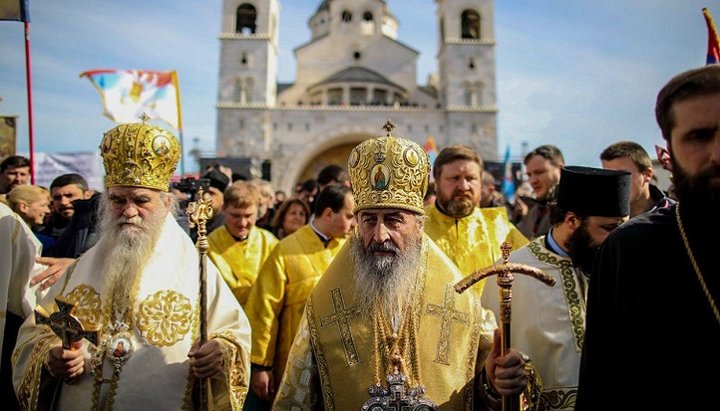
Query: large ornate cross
{"x":340,"y":316}
{"x":198,"y":212}
{"x":448,"y":314}
{"x":505,"y":279}
{"x":64,"y":324}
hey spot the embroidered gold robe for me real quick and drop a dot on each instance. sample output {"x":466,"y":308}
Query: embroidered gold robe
{"x":473,"y":242}
{"x":163,"y":326}
{"x":548,"y":323}
{"x":278,"y":297}
{"x":332,"y":363}
{"x":239,"y":261}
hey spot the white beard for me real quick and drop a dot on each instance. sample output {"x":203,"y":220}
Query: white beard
{"x":387,"y":283}
{"x":126,"y":245}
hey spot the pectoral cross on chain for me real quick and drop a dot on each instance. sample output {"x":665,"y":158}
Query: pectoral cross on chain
{"x":64,"y":324}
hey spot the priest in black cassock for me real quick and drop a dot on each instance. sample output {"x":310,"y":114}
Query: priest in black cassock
{"x":653,"y":326}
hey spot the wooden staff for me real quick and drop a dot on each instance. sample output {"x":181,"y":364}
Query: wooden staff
{"x":198,"y":213}
{"x":505,"y":279}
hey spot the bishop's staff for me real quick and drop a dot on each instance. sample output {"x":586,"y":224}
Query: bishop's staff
{"x":198,"y":213}
{"x":505,"y":279}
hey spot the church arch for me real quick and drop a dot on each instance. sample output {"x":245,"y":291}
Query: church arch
{"x":246,"y":19}
{"x":470,"y":24}
{"x":346,"y":16}
{"x":315,"y":155}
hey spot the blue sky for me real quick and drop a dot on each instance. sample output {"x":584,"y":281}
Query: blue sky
{"x":579,"y":74}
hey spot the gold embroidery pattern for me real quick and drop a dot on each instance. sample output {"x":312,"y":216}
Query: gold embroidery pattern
{"x":559,"y":398}
{"x":164,"y":318}
{"x":237,"y":361}
{"x":87,"y":305}
{"x":341,"y":317}
{"x":576,"y":309}
{"x":472,"y":359}
{"x":328,"y":398}
{"x":15,"y":232}
{"x":389,"y":172}
{"x":28,"y":392}
{"x":448,"y":314}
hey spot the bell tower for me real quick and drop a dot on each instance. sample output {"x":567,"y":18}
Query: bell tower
{"x":466,"y":59}
{"x":248,"y":73}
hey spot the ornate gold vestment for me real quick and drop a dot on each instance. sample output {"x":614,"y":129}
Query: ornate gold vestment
{"x":140,"y":362}
{"x":472,"y":242}
{"x":332,"y":361}
{"x":277,"y":300}
{"x":239,"y":262}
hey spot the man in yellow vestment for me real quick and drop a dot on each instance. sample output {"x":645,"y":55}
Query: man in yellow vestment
{"x":385,"y":314}
{"x":138,"y":286}
{"x":470,"y":236}
{"x":239,"y":248}
{"x":278,"y":297}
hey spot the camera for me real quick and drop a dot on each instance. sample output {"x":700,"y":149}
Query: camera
{"x":191,"y":186}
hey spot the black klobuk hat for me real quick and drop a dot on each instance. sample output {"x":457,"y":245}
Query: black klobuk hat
{"x":588,"y":191}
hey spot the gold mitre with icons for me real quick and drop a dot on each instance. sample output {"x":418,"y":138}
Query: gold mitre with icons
{"x":389,"y":172}
{"x":139,"y":155}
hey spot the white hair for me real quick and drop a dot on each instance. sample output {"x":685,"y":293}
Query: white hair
{"x":387,"y":282}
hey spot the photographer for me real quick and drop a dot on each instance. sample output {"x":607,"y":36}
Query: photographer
{"x":213,"y":184}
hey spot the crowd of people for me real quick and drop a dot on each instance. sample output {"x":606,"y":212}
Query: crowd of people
{"x":348,"y":282}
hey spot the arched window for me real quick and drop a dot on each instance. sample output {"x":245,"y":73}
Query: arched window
{"x":246,"y":19}
{"x":368,"y":16}
{"x":238,"y":91}
{"x":469,"y":97}
{"x":470,"y":24}
{"x":244,"y":59}
{"x":243,"y":90}
{"x":249,"y":84}
{"x":346,"y":16}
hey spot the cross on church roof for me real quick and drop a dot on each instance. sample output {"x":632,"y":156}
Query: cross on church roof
{"x":144,"y":117}
{"x":389,"y":126}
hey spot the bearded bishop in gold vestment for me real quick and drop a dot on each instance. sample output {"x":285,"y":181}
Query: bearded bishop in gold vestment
{"x":385,"y":310}
{"x":142,"y":296}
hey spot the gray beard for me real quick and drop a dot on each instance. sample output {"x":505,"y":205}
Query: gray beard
{"x":386,"y":283}
{"x":125,"y":251}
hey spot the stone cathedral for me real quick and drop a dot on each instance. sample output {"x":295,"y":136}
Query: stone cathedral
{"x":352,"y":75}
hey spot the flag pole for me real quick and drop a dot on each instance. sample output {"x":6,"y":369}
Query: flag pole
{"x":180,"y":127}
{"x":29,"y":101}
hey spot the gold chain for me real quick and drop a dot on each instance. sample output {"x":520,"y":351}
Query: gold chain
{"x":406,"y":336}
{"x":695,"y":265}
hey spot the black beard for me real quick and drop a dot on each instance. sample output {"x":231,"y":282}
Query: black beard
{"x":580,"y":249}
{"x":697,"y":193}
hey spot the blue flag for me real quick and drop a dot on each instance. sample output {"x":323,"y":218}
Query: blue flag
{"x":508,"y":183}
{"x":15,"y":10}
